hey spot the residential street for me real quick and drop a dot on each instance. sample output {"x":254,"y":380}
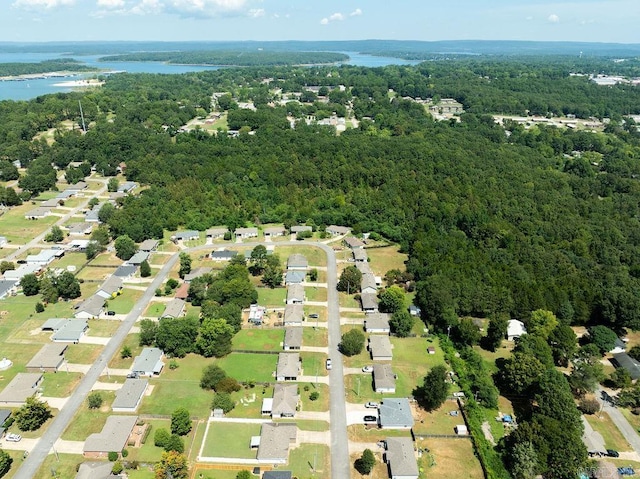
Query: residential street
{"x":626,"y":429}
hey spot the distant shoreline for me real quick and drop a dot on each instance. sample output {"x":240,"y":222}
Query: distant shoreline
{"x":89,"y":82}
{"x":42,"y":76}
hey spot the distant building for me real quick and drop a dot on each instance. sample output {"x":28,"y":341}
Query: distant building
{"x":244,"y":233}
{"x":334,"y":230}
{"x":188,"y":235}
{"x":515,"y":329}
{"x":148,"y":363}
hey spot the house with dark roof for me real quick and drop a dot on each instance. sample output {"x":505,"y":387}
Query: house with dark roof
{"x":4,"y":415}
{"x":223,"y":255}
{"x":7,"y":287}
{"x":284,"y":402}
{"x":369,"y":302}
{"x":377,"y":323}
{"x":275,"y":441}
{"x":21,"y":387}
{"x":297,"y":262}
{"x":125,"y":271}
{"x":130,"y":395}
{"x":110,"y":288}
{"x":293,"y":315}
{"x":395,"y":413}
{"x":113,"y":437}
{"x":294,"y":277}
{"x":380,"y":348}
{"x":619,"y":346}
{"x":97,"y":470}
{"x":37,"y":213}
{"x":384,"y":380}
{"x":49,"y":358}
{"x":295,"y":294}
{"x":149,"y":245}
{"x":186,"y":235}
{"x":174,"y":308}
{"x":400,"y":457}
{"x":277,"y":475}
{"x":292,"y":339}
{"x":148,"y":363}
{"x":623,"y":360}
{"x":90,"y":308}
{"x":80,"y":229}
{"x":244,"y":233}
{"x":288,"y":367}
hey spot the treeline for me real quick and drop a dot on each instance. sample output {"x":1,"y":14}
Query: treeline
{"x":232,"y":58}
{"x":46,"y":66}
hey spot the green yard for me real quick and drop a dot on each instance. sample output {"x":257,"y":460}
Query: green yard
{"x":314,"y":337}
{"x":58,"y":465}
{"x":230,"y":440}
{"x":104,"y":328}
{"x":71,"y":259}
{"x":314,"y":293}
{"x":250,"y":367}
{"x":19,"y":230}
{"x":385,"y":259}
{"x":348,"y":301}
{"x":60,"y":384}
{"x":319,"y":405}
{"x":257,"y":339}
{"x":95,"y":274}
{"x":88,"y":421}
{"x":613,"y":439}
{"x":449,"y":458}
{"x":303,"y":459}
{"x":249,"y":401}
{"x":106,"y":259}
{"x":123,"y":304}
{"x":272,"y":298}
{"x":82,"y":353}
{"x":169,"y":394}
{"x":313,"y":364}
{"x":315,"y":256}
{"x":155,"y":310}
{"x":133,"y":342}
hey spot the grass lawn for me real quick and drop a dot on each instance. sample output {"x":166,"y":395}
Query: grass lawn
{"x":148,"y":452}
{"x":230,"y":440}
{"x":106,"y":259}
{"x":63,"y":465}
{"x":438,"y":421}
{"x":309,"y":425}
{"x":189,"y":368}
{"x":303,"y":458}
{"x":348,"y":301}
{"x":259,"y":339}
{"x":315,"y":256}
{"x":249,"y":401}
{"x":19,"y":230}
{"x":359,"y":389}
{"x":71,"y":259}
{"x":17,"y":457}
{"x":319,"y":405}
{"x":143,"y":472}
{"x":313,"y":363}
{"x":89,"y":273}
{"x":632,"y":418}
{"x":82,"y":353}
{"x":313,"y":293}
{"x":198,"y":436}
{"x":449,"y":458}
{"x":371,"y":433}
{"x":379,"y":470}
{"x":155,"y":310}
{"x":103,"y":328}
{"x":168,"y":395}
{"x":249,"y":367}
{"x":315,"y":337}
{"x":321,"y":311}
{"x":385,"y":259}
{"x":156,"y":258}
{"x":88,"y":421}
{"x":411,"y":362}
{"x":123,"y":304}
{"x":490,"y":357}
{"x":497,"y":427}
{"x":60,"y":384}
{"x":30,"y":332}
{"x":272,"y":298}
{"x":613,"y":439}
{"x":133,"y":341}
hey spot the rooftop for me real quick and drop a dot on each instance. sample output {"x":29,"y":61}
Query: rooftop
{"x":174,"y":308}
{"x":275,"y":440}
{"x":50,"y":356}
{"x":383,"y":377}
{"x":22,"y":386}
{"x":149,"y":361}
{"x":396,"y":412}
{"x":285,"y":399}
{"x":288,"y":365}
{"x":293,"y":337}
{"x":129,"y":395}
{"x":293,"y":313}
{"x":401,"y":457}
{"x":113,"y":436}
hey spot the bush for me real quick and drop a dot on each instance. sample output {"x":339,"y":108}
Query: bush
{"x":94,"y":400}
{"x":223,"y":401}
{"x":161,"y":437}
{"x":589,"y":406}
{"x":314,"y":396}
{"x":173,"y":364}
{"x":125,"y":453}
{"x":244,"y":474}
{"x":211,"y":376}
{"x":227,"y":385}
{"x":112,"y":456}
{"x":147,"y":431}
{"x":352,"y":342}
{"x":125,"y":352}
{"x":39,"y":307}
{"x":117,"y":468}
{"x":313,"y":275}
{"x":364,"y":464}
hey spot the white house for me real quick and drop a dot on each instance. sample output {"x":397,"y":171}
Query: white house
{"x":515,"y":329}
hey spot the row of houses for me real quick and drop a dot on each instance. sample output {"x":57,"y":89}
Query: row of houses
{"x":253,"y":232}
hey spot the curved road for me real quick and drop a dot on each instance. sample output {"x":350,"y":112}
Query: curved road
{"x":339,"y":442}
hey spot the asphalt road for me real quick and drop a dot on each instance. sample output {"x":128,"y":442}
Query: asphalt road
{"x":620,"y":421}
{"x":339,"y":441}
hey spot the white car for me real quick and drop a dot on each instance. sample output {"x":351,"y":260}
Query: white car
{"x":13,"y":437}
{"x":328,"y":363}
{"x":371,"y":404}
{"x":367,"y":369}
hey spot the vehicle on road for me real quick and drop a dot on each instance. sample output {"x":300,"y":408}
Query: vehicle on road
{"x":367,"y":369}
{"x":133,"y":375}
{"x":613,"y":453}
{"x":111,"y":313}
{"x":13,"y":437}
{"x":370,"y":419}
{"x":372,"y":404}
{"x":328,"y":363}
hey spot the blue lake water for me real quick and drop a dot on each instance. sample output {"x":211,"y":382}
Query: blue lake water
{"x":25,"y":90}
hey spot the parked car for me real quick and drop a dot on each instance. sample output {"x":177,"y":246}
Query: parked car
{"x":370,"y":419}
{"x":328,"y":363}
{"x":372,"y":404}
{"x":313,"y":316}
{"x":613,"y":453}
{"x":13,"y":437}
{"x":133,"y":375}
{"x":367,"y":369}
{"x":111,"y":313}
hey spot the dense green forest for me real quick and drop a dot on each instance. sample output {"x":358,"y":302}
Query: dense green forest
{"x":58,"y":65}
{"x":232,"y":58}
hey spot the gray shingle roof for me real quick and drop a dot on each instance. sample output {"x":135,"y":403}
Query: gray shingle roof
{"x":130,"y":394}
{"x":92,"y":306}
{"x":395,"y":413}
{"x":125,"y":270}
{"x":148,"y":362}
{"x":627,"y":362}
{"x":293,"y":277}
{"x":22,"y":386}
{"x":369,"y":301}
{"x":275,"y":440}
{"x":71,"y":331}
{"x":288,"y":365}
{"x":360,"y":255}
{"x":295,"y":292}
{"x":50,"y":356}
{"x":293,"y":337}
{"x":368,"y":282}
{"x":380,"y":346}
{"x":174,"y":308}
{"x":376,"y":322}
{"x":187,"y":235}
{"x":285,"y":399}
{"x":113,"y":436}
{"x":139,"y":257}
{"x":112,"y":285}
{"x":148,"y":245}
{"x":383,"y":377}
{"x":297,"y":261}
{"x":293,"y":314}
{"x":401,"y":457}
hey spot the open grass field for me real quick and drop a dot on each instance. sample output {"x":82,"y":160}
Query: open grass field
{"x":439,"y":421}
{"x":385,"y":259}
{"x":88,"y":421}
{"x":30,"y":332}
{"x":315,"y":256}
{"x":313,"y":364}
{"x":259,"y":339}
{"x":612,"y":436}
{"x":168,"y":395}
{"x":315,"y":337}
{"x":249,"y":367}
{"x":19,"y":230}
{"x":104,"y":328}
{"x":314,"y":293}
{"x":249,"y":401}
{"x":124,"y":303}
{"x":90,"y":273}
{"x":156,"y":258}
{"x":155,"y":310}
{"x":60,"y":384}
{"x":133,"y":341}
{"x":303,"y":459}
{"x":272,"y":298}
{"x":449,"y":458}
{"x":64,"y":465}
{"x":82,"y":353}
{"x":106,"y":259}
{"x":490,"y":357}
{"x":319,"y":405}
{"x":70,"y":259}
{"x":189,"y":368}
{"x":230,"y":440}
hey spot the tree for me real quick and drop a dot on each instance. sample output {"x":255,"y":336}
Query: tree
{"x":554,"y":399}
{"x":391,"y":299}
{"x":542,"y":323}
{"x":496,"y":331}
{"x":30,"y":284}
{"x":352,"y":342}
{"x":39,"y":307}
{"x":172,"y":464}
{"x":161,"y":437}
{"x":634,"y":352}
{"x":223,"y":401}
{"x":535,"y":346}
{"x":180,"y":422}
{"x":466,"y":332}
{"x":350,"y":280}
{"x":92,"y":250}
{"x":145,"y":269}
{"x":585,"y":376}
{"x":101,"y":235}
{"x":5,"y":462}
{"x":6,"y":266}
{"x":55,"y":235}
{"x":117,"y":468}
{"x":94,"y":400}
{"x":185,"y":265}
{"x":564,"y":344}
{"x":48,"y":289}
{"x":214,"y":338}
{"x":67,"y":285}
{"x":125,"y":247}
{"x":112,"y":185}
{"x":125,"y":352}
{"x":112,"y":456}
{"x":177,"y":337}
{"x":174,"y":443}
{"x":258,"y":259}
{"x":401,"y":323}
{"x":148,"y":331}
{"x":272,"y":275}
{"x":620,"y":378}
{"x":523,"y":461}
{"x":433,"y":392}
{"x":211,"y":376}
{"x":520,"y":373}
{"x":313,"y":274}
{"x":227,"y":385}
{"x":105,"y":212}
{"x":244,"y":474}
{"x":365,"y":463}
{"x":32,"y":414}
{"x":604,"y":338}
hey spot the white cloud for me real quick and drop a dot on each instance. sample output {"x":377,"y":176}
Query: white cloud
{"x":553,"y":18}
{"x":206,"y":7}
{"x":336,"y":17}
{"x":357,"y":12}
{"x":256,"y":12}
{"x":48,"y":4}
{"x":183,"y":8}
{"x":111,"y":3}
{"x":324,"y":21}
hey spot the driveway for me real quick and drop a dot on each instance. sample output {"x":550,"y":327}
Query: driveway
{"x":592,"y":439}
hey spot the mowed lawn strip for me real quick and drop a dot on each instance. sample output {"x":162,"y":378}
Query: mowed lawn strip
{"x":230,"y":440}
{"x":259,"y":339}
{"x":168,"y":395}
{"x":613,"y":439}
{"x":450,"y":458}
{"x":250,"y":367}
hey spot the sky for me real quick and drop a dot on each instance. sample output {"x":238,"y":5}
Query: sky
{"x":219,"y":20}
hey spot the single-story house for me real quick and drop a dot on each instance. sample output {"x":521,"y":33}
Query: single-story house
{"x":37,"y":213}
{"x":77,"y":187}
{"x":293,"y":315}
{"x":182,"y":292}
{"x":377,"y":323}
{"x":149,"y":245}
{"x":216,"y":233}
{"x":139,"y":257}
{"x":110,"y":288}
{"x":294,"y":277}
{"x":515,"y":329}
{"x":297,"y":262}
{"x":300,"y":229}
{"x":353,"y":243}
{"x":196,"y":273}
{"x":129,"y":396}
{"x":80,"y":229}
{"x":395,"y":413}
{"x":295,"y":294}
{"x":334,"y":230}
{"x":369,"y":302}
{"x":7,"y":287}
{"x":288,"y":368}
{"x":223,"y":255}
{"x":45,"y":256}
{"x":97,"y":470}
{"x":148,"y":363}
{"x":186,"y":235}
{"x":623,"y":360}
{"x":274,"y":231}
{"x":277,"y":475}
{"x":91,"y":216}
{"x":368,"y":284}
{"x":21,"y":271}
{"x":360,"y":255}
{"x":174,"y":308}
{"x":90,"y":308}
{"x":275,"y":440}
{"x":125,"y":271}
{"x":126,"y":186}
{"x":400,"y":457}
{"x":21,"y":387}
{"x":256,"y":314}
{"x":49,"y":358}
{"x":364,"y":267}
{"x":380,"y":348}
{"x":69,"y":331}
{"x":244,"y":233}
{"x":284,"y":402}
{"x":414,"y":310}
{"x":113,"y":437}
{"x":78,"y":245}
{"x":292,"y":338}
{"x":384,"y":380}
{"x":619,"y":346}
